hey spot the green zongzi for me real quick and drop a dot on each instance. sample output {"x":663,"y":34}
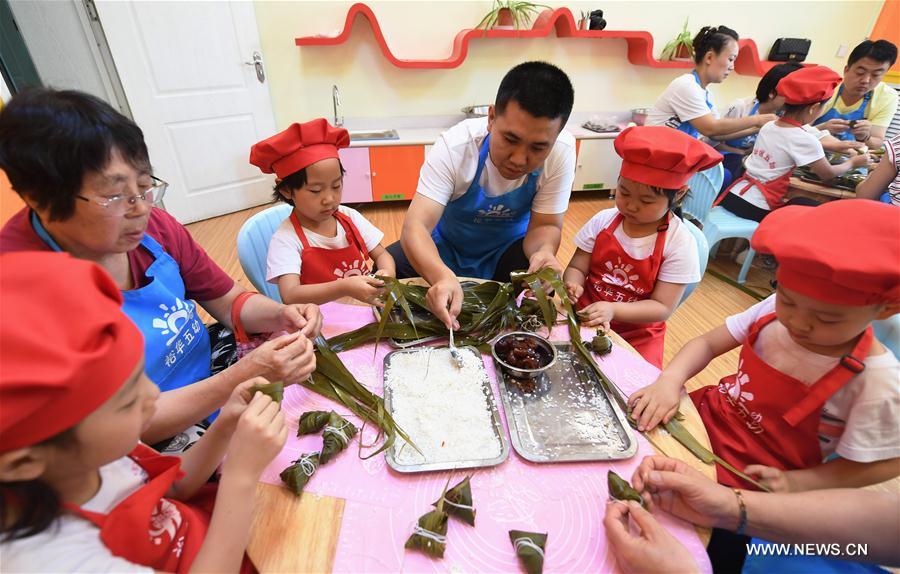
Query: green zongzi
{"x":296,"y":476}
{"x":458,"y":501}
{"x":430,"y":533}
{"x":620,"y":489}
{"x":336,"y":436}
{"x":530,"y":549}
{"x":312,"y":422}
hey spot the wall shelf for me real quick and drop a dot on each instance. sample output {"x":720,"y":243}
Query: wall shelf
{"x":640,"y":43}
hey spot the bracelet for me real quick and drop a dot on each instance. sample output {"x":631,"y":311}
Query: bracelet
{"x":742,"y":522}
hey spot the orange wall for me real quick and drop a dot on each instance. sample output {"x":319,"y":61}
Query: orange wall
{"x":887,"y":27}
{"x":9,"y":201}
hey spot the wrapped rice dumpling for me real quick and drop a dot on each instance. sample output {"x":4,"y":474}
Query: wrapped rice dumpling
{"x":620,"y":489}
{"x":274,"y":390}
{"x":458,"y":502}
{"x":336,"y":437}
{"x":430,"y":533}
{"x":296,"y":476}
{"x":601,"y":343}
{"x":312,"y":422}
{"x":530,"y":549}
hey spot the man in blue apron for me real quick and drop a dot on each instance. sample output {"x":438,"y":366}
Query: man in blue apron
{"x":863,"y":106}
{"x":493,"y":191}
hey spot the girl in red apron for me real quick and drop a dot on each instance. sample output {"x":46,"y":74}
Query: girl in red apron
{"x":783,"y":145}
{"x":322,"y":251}
{"x":79,"y":492}
{"x":765,"y":420}
{"x":616,"y":287}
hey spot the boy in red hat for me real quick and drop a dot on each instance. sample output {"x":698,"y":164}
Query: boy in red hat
{"x":79,"y":492}
{"x":786,"y":143}
{"x":634,"y":261}
{"x":321,"y":252}
{"x":811,"y":380}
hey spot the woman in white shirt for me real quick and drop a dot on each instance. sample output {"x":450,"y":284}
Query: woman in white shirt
{"x":686,"y":105}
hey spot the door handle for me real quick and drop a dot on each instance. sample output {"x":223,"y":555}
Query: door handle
{"x":258,"y":64}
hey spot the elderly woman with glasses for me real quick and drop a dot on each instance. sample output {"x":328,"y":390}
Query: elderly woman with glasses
{"x":84,"y":173}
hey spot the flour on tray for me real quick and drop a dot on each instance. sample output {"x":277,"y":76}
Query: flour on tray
{"x":441,"y":407}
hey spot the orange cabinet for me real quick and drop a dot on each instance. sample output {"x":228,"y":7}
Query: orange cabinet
{"x":395,"y":171}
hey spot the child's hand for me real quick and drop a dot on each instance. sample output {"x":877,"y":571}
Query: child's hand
{"x":260,"y":435}
{"x":363,"y":288}
{"x":597,"y":314}
{"x":237,"y":403}
{"x":775,"y":479}
{"x":860,"y":160}
{"x":655,"y":403}
{"x":386,"y":273}
{"x":574,"y":290}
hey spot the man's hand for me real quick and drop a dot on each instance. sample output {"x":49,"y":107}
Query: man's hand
{"x":542,"y":259}
{"x":861,"y":130}
{"x":444,"y":300}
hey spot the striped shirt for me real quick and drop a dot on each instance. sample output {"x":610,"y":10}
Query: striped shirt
{"x":892,"y":154}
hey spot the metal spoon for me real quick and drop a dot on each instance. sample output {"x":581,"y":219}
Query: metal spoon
{"x":454,"y":353}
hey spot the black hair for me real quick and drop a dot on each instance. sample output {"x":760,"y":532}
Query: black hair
{"x":541,"y":89}
{"x":775,"y":74}
{"x":50,"y":139}
{"x":879,"y":50}
{"x":29,"y":507}
{"x":793,"y":109}
{"x":294,"y":182}
{"x":671,"y":195}
{"x":713,"y":38}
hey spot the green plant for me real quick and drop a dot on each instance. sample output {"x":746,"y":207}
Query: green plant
{"x":684,"y":40}
{"x":521,"y":13}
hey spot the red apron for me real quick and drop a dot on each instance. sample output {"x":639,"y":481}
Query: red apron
{"x":773,"y":191}
{"x":616,"y":277}
{"x":148,"y":529}
{"x":322,"y":265}
{"x":763,"y":416}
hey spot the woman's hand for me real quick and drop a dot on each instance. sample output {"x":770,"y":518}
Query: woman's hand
{"x":304,"y":317}
{"x":763,"y":119}
{"x":260,"y":435}
{"x":289,"y":358}
{"x":597,"y":314}
{"x":574,"y":290}
{"x":656,"y":403}
{"x":362,"y":288}
{"x":648,"y":548}
{"x":675,"y":487}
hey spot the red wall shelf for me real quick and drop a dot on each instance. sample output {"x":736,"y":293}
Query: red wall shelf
{"x":640,"y":43}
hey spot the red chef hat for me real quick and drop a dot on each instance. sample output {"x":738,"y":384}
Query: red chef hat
{"x":662,"y":157}
{"x":65,"y":346}
{"x":808,"y":85}
{"x":298,"y":146}
{"x":844,"y":252}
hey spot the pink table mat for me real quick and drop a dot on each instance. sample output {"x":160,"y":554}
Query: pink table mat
{"x":566,"y":500}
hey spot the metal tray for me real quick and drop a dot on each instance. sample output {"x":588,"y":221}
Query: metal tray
{"x":417,"y":314}
{"x":452,"y":464}
{"x":568,"y":416}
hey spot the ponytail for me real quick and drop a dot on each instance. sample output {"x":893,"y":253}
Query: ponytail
{"x":713,"y":38}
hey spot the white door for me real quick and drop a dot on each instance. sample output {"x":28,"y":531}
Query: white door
{"x":201,"y":107}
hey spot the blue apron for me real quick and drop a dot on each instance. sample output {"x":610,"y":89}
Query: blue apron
{"x":176,"y":343}
{"x":686,"y":127}
{"x":475,"y":230}
{"x":857,"y":114}
{"x":745,"y":142}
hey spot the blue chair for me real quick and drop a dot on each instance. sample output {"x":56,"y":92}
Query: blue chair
{"x":253,"y":246}
{"x":888,"y":332}
{"x":702,"y":252}
{"x":717,"y":222}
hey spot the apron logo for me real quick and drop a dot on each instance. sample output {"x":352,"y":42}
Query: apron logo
{"x":174,"y":319}
{"x":619,"y":275}
{"x":738,"y":399}
{"x":353,"y":269}
{"x":165,"y":520}
{"x":496,"y":211}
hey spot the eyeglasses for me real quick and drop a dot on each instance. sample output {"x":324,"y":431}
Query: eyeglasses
{"x":122,"y":204}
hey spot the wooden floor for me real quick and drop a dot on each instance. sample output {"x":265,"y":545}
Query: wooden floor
{"x":707,"y":307}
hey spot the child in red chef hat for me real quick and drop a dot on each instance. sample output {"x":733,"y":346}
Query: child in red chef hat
{"x":78,"y":491}
{"x":634,"y":261}
{"x":785,"y":144}
{"x":321,"y":252}
{"x":811,"y":380}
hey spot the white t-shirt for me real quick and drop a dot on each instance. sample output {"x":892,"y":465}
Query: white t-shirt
{"x":453,"y":160}
{"x":680,"y":263}
{"x":892,"y":156}
{"x":741,"y":107}
{"x":72,"y":544}
{"x":683,"y":100}
{"x":860,"y":421}
{"x":286,"y":251}
{"x":778,"y":150}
